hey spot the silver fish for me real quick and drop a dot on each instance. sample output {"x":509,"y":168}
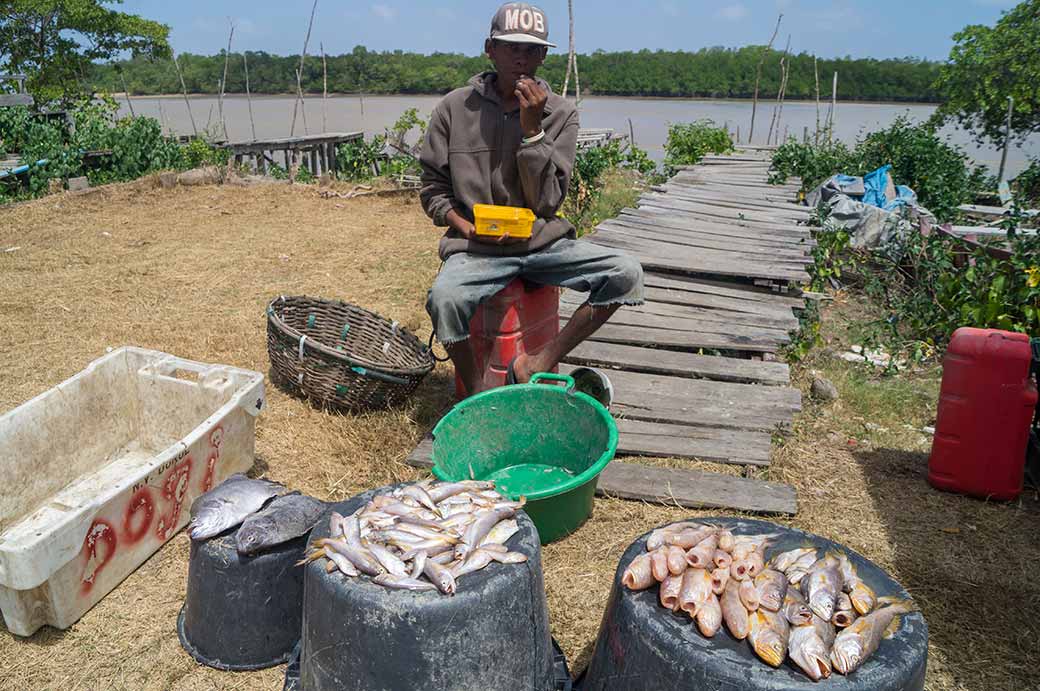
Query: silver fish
{"x":442,"y":491}
{"x":229,"y":503}
{"x":772,"y":587}
{"x":501,"y":533}
{"x":863,"y":598}
{"x":418,"y":565}
{"x":478,"y":530}
{"x":769,"y":636}
{"x":784,"y":561}
{"x":402,"y":583}
{"x":358,"y":557}
{"x":284,"y":518}
{"x":440,"y":577}
{"x":387,"y":560}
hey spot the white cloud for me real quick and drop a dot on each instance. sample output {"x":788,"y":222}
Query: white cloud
{"x":732,"y":13}
{"x":385,"y":12}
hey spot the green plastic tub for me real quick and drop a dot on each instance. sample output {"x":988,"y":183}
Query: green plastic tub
{"x":541,"y":441}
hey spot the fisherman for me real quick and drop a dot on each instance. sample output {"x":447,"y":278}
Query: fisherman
{"x":507,"y":139}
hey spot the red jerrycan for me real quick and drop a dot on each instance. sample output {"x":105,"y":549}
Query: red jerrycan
{"x":986,"y":404}
{"x":521,"y":318}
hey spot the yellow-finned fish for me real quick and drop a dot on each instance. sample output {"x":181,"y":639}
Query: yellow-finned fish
{"x":854,"y":645}
{"x":769,"y":636}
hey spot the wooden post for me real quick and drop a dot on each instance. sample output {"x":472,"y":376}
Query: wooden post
{"x":816,"y":71}
{"x":758,"y":77}
{"x":299,"y":71}
{"x":631,"y":133}
{"x":184,"y":90}
{"x":249,"y":96}
{"x":738,"y":134}
{"x":126,"y":93}
{"x":805,"y":135}
{"x":324,"y":90}
{"x":775,"y":120}
{"x":570,"y":49}
{"x":332,"y":159}
{"x":223,"y":80}
{"x":783,"y":90}
{"x":303,"y":103}
{"x":1007,"y":140}
{"x":834,"y":107}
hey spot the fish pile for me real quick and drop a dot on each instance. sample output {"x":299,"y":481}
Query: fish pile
{"x":424,"y":536}
{"x":268,"y":512}
{"x":814,"y":609}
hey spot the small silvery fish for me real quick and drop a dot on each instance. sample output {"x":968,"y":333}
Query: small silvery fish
{"x":821,"y":586}
{"x":228,"y":504}
{"x":286,"y":517}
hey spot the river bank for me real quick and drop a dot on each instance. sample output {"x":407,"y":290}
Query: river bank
{"x":271,"y":116}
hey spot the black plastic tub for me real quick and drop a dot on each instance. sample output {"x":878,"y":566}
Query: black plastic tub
{"x":644,"y":647}
{"x":242,"y":613}
{"x":492,"y":634}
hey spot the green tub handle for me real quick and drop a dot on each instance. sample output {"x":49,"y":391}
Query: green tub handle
{"x":551,"y":376}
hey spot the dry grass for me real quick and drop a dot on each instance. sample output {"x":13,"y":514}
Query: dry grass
{"x":189,"y":272}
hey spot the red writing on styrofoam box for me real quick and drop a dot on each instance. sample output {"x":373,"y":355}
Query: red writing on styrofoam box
{"x":156,"y":501}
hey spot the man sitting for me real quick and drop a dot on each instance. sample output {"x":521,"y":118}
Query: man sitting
{"x":506,"y":139}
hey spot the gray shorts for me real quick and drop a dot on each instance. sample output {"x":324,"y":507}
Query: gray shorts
{"x":609,"y":276}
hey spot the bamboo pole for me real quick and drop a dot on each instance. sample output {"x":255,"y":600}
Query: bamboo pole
{"x":834,"y":107}
{"x":570,"y":50}
{"x":816,"y":71}
{"x":303,"y":110}
{"x":126,"y":93}
{"x":184,"y":90}
{"x":249,"y":95}
{"x":324,"y":90}
{"x":783,"y":92}
{"x":1007,"y":140}
{"x":758,"y":76}
{"x":223,"y":80}
{"x":775,"y":121}
{"x":299,"y":71}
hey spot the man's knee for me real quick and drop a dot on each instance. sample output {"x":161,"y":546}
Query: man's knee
{"x":628,"y":274}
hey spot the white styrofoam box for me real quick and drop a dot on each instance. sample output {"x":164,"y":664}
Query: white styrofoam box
{"x":100,"y":471}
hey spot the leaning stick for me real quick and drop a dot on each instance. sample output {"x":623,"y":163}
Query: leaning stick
{"x":299,"y":71}
{"x":184,"y":90}
{"x":758,"y":77}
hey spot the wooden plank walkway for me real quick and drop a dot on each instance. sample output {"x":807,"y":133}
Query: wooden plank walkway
{"x":725,"y":256}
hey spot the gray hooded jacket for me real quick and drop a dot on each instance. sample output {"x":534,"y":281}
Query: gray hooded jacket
{"x":473,"y":155}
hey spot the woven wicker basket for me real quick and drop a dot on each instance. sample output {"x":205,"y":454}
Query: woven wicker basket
{"x":342,"y":356}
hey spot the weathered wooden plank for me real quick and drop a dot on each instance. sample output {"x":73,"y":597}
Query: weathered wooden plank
{"x":796,"y":212}
{"x":766,"y":235}
{"x":15,"y":100}
{"x":776,"y":230}
{"x":682,"y":298}
{"x":648,"y":230}
{"x":685,"y":487}
{"x":684,"y":340}
{"x":687,"y":324}
{"x":653,"y":257}
{"x":695,"y":489}
{"x":677,"y":364}
{"x":787,"y":322}
{"x":671,"y":245}
{"x":728,"y":290}
{"x":743,"y":447}
{"x":657,"y":398}
{"x":714,"y":210}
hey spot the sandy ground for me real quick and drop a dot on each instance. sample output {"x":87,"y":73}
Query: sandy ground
{"x":189,"y":272}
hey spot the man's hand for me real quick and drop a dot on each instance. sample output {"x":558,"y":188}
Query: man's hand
{"x":532,"y":99}
{"x":467,"y":230}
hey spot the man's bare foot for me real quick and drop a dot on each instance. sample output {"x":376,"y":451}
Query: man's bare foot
{"x":526,"y":366}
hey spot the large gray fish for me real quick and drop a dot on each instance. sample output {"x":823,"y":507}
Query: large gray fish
{"x":286,"y":517}
{"x":228,"y":504}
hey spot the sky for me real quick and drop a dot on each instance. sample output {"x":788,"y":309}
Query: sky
{"x":832,"y":28}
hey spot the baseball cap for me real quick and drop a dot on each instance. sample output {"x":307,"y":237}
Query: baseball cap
{"x":519,"y":22}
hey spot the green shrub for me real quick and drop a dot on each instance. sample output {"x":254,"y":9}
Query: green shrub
{"x":938,"y":172}
{"x":357,"y":160}
{"x":689,"y":142}
{"x":1027,"y":185}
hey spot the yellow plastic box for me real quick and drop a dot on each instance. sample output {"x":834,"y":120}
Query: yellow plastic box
{"x":496,"y":221}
